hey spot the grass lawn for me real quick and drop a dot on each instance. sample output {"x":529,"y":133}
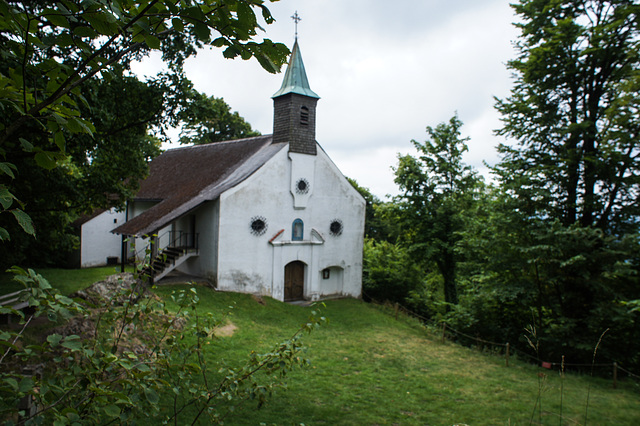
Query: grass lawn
{"x":368,"y":368}
{"x":65,"y":280}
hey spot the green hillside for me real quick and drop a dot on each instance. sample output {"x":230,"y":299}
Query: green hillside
{"x":368,"y":368}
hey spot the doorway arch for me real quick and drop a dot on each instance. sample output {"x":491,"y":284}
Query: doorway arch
{"x":294,"y":281}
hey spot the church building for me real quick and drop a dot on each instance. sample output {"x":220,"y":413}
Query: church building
{"x":269,"y":215}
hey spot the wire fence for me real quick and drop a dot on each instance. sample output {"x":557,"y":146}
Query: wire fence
{"x":447,"y":332}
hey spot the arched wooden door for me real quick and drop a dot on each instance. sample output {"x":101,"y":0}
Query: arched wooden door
{"x":294,"y":281}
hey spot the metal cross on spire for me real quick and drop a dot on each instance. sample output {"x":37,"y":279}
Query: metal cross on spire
{"x":296,"y":18}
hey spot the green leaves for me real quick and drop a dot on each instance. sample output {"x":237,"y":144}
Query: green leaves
{"x":151,"y":395}
{"x":53,"y":49}
{"x":102,"y":21}
{"x":112,"y":410}
{"x":6,"y":197}
{"x":568,"y":114}
{"x":54,"y":339}
{"x":177,"y":24}
{"x":7,"y":169}
{"x":209,"y":119}
{"x":46,"y":160}
{"x":24,"y":221}
{"x":129,"y":368}
{"x":437,"y":187}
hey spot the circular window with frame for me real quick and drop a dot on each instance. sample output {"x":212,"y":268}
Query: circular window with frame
{"x":302,"y":186}
{"x":336,"y":227}
{"x":258,"y":225}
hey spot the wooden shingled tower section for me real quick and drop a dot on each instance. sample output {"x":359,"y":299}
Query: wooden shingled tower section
{"x":294,"y":116}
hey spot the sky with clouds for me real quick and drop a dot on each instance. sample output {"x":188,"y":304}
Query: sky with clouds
{"x":384,"y":71}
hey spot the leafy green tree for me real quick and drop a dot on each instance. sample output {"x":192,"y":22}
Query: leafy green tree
{"x":574,"y":113}
{"x":570,"y":283}
{"x":209,"y":119}
{"x":101,"y":172}
{"x":377,"y":225}
{"x":51,"y":49}
{"x":436,"y":187}
{"x":389,"y":272}
{"x":568,"y":209}
{"x":125,"y":112}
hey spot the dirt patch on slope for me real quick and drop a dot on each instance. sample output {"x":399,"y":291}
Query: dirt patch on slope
{"x":226,"y":330}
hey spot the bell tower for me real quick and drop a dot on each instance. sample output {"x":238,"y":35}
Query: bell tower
{"x":294,"y":115}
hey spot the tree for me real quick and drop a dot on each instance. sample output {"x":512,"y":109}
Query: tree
{"x":572,"y":180}
{"x":570,"y":283}
{"x":389,"y":273}
{"x":574,"y":113}
{"x":103,"y":169}
{"x":436,"y":187}
{"x":57,"y":55}
{"x":51,"y":49}
{"x":377,"y":225}
{"x":209,"y":119}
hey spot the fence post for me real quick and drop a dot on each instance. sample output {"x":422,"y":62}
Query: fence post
{"x":615,"y":375}
{"x":396,"y":308}
{"x":444,"y":330}
{"x":506,"y":358}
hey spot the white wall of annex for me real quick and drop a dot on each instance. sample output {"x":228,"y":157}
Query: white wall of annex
{"x":205,"y":264}
{"x":97,"y":241}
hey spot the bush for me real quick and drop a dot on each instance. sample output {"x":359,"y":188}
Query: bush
{"x":125,"y":359}
{"x":389,"y":272}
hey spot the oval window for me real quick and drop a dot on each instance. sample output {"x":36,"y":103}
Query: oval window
{"x":336,"y":227}
{"x":258,"y":225}
{"x":302,"y":186}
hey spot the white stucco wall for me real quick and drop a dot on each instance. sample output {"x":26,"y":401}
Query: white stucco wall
{"x":97,"y":241}
{"x":206,"y":223}
{"x":251,"y":263}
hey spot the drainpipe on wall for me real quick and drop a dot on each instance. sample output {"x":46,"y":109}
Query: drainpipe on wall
{"x":123,"y":247}
{"x":153,"y":241}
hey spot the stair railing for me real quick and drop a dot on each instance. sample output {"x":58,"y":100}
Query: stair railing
{"x":181,"y":239}
{"x":169,"y":239}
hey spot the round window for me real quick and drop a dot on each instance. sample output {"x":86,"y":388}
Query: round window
{"x":258,"y":225}
{"x":336,"y":227}
{"x":302,"y":186}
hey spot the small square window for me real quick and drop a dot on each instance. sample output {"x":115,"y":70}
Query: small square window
{"x":326,"y":274}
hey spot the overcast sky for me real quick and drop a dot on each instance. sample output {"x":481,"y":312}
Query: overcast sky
{"x":384,"y":70}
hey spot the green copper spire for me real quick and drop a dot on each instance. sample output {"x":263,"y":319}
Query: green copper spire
{"x":295,"y":78}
